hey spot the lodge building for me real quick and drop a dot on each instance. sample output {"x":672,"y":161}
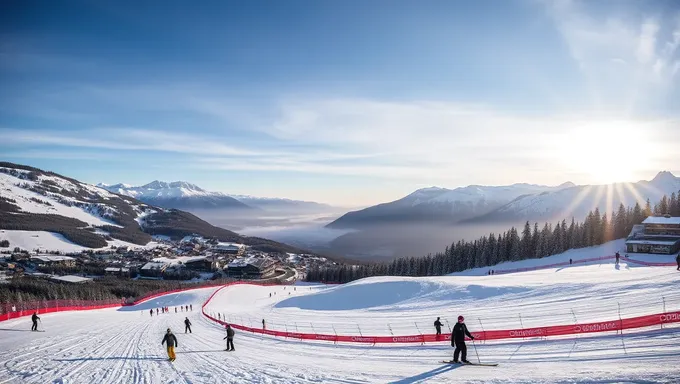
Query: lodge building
{"x":657,"y":234}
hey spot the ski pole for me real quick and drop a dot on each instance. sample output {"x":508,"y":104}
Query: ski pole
{"x":476,"y":353}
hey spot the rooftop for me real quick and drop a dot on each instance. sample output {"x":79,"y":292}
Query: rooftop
{"x":52,"y":258}
{"x":662,"y":220}
{"x":71,"y":278}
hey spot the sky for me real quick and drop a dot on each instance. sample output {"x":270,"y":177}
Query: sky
{"x":344,"y":102}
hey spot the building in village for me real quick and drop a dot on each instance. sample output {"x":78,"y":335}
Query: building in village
{"x":229,"y":249}
{"x":153,"y":269}
{"x":657,"y":234}
{"x":52,"y":260}
{"x":251,"y":268}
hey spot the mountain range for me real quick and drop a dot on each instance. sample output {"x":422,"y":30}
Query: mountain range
{"x":184,"y":195}
{"x":507,"y":204}
{"x":35,"y":200}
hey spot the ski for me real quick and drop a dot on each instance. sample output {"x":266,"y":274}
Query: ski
{"x":480,"y":364}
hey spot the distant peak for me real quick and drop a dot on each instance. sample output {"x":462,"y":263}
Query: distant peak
{"x":568,"y":184}
{"x":664,"y":175}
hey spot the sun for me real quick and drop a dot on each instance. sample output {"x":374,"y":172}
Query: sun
{"x":608,"y":152}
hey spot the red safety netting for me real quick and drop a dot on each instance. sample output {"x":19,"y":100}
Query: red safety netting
{"x":554,"y":330}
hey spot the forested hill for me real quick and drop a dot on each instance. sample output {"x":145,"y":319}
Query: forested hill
{"x":531,"y":242}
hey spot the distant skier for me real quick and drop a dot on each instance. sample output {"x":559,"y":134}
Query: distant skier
{"x":171,"y":342}
{"x":618,"y":256}
{"x":438,"y":326}
{"x":151,"y":312}
{"x":35,"y":319}
{"x":187,"y":325}
{"x":157,"y":311}
{"x":458,"y":340}
{"x":191,"y":307}
{"x":263,"y":326}
{"x":175,"y":309}
{"x":570,"y":261}
{"x":229,"y":338}
{"x":677,"y":260}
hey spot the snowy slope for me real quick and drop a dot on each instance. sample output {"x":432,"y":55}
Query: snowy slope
{"x":441,"y":204}
{"x":48,"y":241}
{"x":579,"y":200}
{"x":29,"y":201}
{"x":123,"y":346}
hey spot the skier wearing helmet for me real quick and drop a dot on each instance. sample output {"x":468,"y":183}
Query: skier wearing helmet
{"x":458,"y":340}
{"x":171,"y":341}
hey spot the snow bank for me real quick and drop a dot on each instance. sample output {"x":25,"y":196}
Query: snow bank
{"x":48,"y":241}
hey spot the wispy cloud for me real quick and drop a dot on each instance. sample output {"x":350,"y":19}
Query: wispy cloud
{"x":629,"y":59}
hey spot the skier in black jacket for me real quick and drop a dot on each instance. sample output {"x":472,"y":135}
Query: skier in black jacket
{"x":458,"y":340}
{"x":438,"y":326}
{"x":171,"y":341}
{"x":677,"y":260}
{"x":35,"y":319}
{"x":187,"y":325}
{"x":230,"y":338}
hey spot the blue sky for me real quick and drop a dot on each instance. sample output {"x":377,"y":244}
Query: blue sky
{"x":350,"y":103}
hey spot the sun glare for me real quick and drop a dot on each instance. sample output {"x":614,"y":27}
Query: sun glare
{"x":608,"y":152}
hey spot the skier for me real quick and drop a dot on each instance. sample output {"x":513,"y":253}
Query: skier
{"x":187,"y":325}
{"x":438,"y":326}
{"x":156,"y":310}
{"x":151,"y":312}
{"x":171,"y":341}
{"x":263,"y":327}
{"x":229,"y":338}
{"x":458,"y":340}
{"x":570,"y":261}
{"x":35,"y":319}
{"x":617,"y":258}
{"x":175,"y":309}
{"x":677,"y":260}
{"x":191,"y":307}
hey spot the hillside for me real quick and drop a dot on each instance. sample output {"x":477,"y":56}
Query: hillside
{"x":434,"y":204}
{"x":35,"y":200}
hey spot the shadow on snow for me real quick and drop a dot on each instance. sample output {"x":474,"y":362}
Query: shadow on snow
{"x":427,"y":375}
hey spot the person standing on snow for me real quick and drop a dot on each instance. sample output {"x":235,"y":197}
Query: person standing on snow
{"x":458,"y":340}
{"x":171,"y":342}
{"x":438,"y":326}
{"x":35,"y":319}
{"x":677,"y":260}
{"x":263,"y":327}
{"x":187,"y":325}
{"x":618,"y":256}
{"x":191,"y":307}
{"x":229,"y":338}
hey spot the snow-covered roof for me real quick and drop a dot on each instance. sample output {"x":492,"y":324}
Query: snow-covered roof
{"x":252,"y":260}
{"x":662,"y":220}
{"x":71,"y":278}
{"x":113,"y":269}
{"x":48,"y":258}
{"x":652,"y":242}
{"x":153,"y":265}
{"x":229,"y":246}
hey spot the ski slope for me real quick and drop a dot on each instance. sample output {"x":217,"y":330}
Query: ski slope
{"x":123,"y":345}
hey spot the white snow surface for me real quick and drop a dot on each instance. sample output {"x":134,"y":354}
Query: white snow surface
{"x":48,"y":241}
{"x":123,"y":345}
{"x":477,"y":193}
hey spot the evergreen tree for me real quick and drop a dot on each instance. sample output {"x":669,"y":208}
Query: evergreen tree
{"x":525,"y":245}
{"x":664,"y":206}
{"x":674,"y":205}
{"x":535,"y":241}
{"x":648,"y":210}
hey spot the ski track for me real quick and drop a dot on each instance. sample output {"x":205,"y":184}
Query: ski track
{"x":123,"y":346}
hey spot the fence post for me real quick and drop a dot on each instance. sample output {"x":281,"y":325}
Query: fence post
{"x":359,"y":328}
{"x":448,"y":325}
{"x":483,"y":331}
{"x":521,"y":324}
{"x":312,"y":325}
{"x":575,"y":321}
{"x":421,"y":334}
{"x":336,"y":335}
{"x":664,"y":308}
{"x":390,"y":328}
{"x":620,"y":320}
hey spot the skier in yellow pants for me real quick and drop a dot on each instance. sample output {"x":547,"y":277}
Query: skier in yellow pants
{"x":171,"y":341}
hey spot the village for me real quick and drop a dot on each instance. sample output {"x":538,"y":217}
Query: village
{"x":193,"y":258}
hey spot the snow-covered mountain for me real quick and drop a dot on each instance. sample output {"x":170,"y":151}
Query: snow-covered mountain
{"x":177,"y":194}
{"x":436,"y":204}
{"x":577,"y":201}
{"x":33,"y":201}
{"x":183,"y":195}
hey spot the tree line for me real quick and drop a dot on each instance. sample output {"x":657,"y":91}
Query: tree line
{"x":530,"y":242}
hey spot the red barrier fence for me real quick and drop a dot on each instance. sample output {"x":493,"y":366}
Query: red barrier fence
{"x":554,"y":330}
{"x":27,"y":308}
{"x":648,"y":264}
